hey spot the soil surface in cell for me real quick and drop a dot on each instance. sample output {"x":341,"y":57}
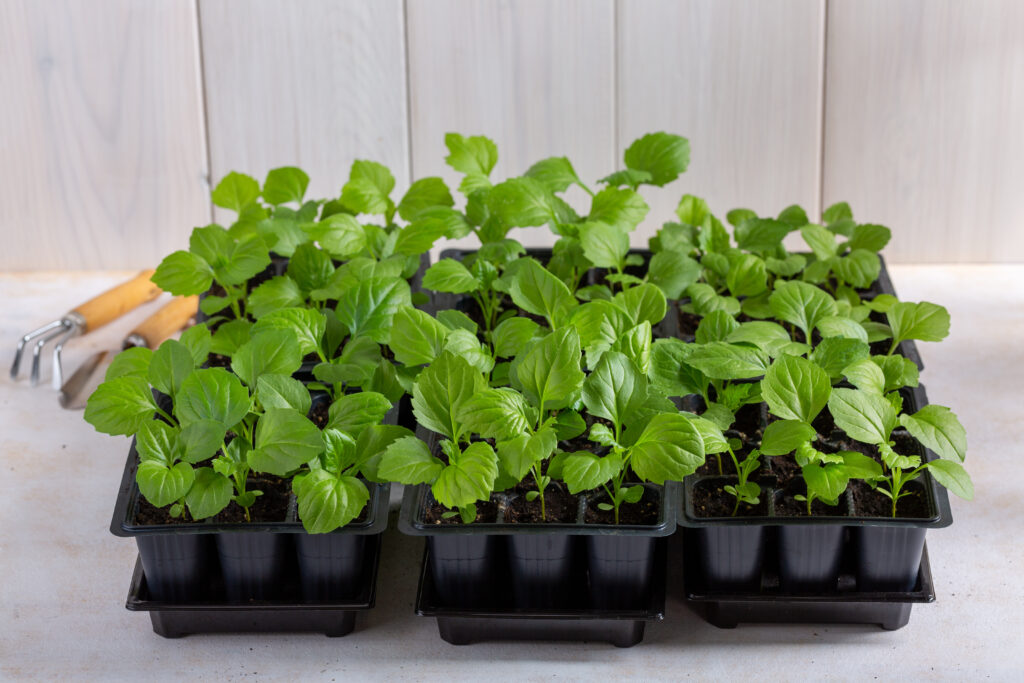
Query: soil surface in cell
{"x":710,"y":499}
{"x":559,"y":505}
{"x":643,"y":513}
{"x":272,"y":506}
{"x":868,"y":502}
{"x":486,"y":513}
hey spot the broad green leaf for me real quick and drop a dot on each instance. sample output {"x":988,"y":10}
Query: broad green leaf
{"x":475,"y":154}
{"x":274,"y":351}
{"x":692,"y":210}
{"x":235,"y":191}
{"x":171,"y":364}
{"x":898,"y":371}
{"x":834,"y":354}
{"x":923,"y":321}
{"x":328,"y":502}
{"x":785,"y":267}
{"x":738,"y":216}
{"x":643,"y":302}
{"x":668,"y":366}
{"x":285,"y":184}
{"x":368,"y":188}
{"x":449,"y":275}
{"x":826,"y":482}
{"x":869,"y":237}
{"x":511,"y":335}
{"x":716,"y":326}
{"x":456,"y":320}
{"x":704,"y":300}
{"x":549,"y":375}
{"x":424,"y":194}
{"x":201,"y":440}
{"x":864,"y":416}
{"x":859,"y":268}
{"x":162,"y":484}
{"x":669,"y":448}
{"x":275,"y":293}
{"x":795,"y":388}
{"x":794,"y":215}
{"x":783,"y":436}
{"x":801,"y":304}
{"x":209,"y":494}
{"x":305,"y":325}
{"x":340,"y":235}
{"x":440,"y":392}
{"x":747,"y":275}
{"x":469,"y":479}
{"x":635,"y":343}
{"x":282,"y":391}
{"x":212,"y":394}
{"x":836,"y":212}
{"x":229,"y":336}
{"x":352,"y":413}
{"x":522,"y":202}
{"x":367,"y":308}
{"x":537,"y":291}
{"x":285,"y":440}
{"x":198,"y":340}
{"x":768,"y":336}
{"x":132,"y":362}
{"x":311,"y":268}
{"x":409,"y":461}
{"x":419,"y":237}
{"x":822,"y":241}
{"x":158,"y":441}
{"x":838,"y":326}
{"x":626,"y":177}
{"x":416,"y":337}
{"x":615,"y":390}
{"x":761,"y":235}
{"x":555,"y":173}
{"x":663,"y":155}
{"x":183,"y":274}
{"x":120,"y":406}
{"x":620,"y":208}
{"x":584,"y":471}
{"x":519,"y":454}
{"x":465,"y":344}
{"x":604,"y":245}
{"x":860,"y":466}
{"x":495,"y":414}
{"x":953,"y":476}
{"x":866,"y":376}
{"x":938,"y":428}
{"x":673,"y":272}
{"x":720,"y":360}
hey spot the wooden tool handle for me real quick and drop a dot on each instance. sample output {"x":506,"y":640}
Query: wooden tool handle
{"x":117,"y":301}
{"x":169,"y":319}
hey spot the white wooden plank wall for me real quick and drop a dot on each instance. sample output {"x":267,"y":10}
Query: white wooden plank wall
{"x":924,"y":126}
{"x":117,"y":113}
{"x":102,"y":148}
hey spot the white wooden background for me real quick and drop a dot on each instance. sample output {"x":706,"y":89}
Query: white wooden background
{"x":116,"y":114}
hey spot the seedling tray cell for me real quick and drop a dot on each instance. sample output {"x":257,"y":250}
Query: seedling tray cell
{"x":290,"y":613}
{"x":770,"y":605}
{"x":577,"y":622}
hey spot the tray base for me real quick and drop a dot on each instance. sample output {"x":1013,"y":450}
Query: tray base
{"x":291,"y":614}
{"x":468,"y":625}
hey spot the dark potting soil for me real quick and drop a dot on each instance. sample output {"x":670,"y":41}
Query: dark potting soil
{"x":785,"y":469}
{"x":710,"y":465}
{"x":147,"y":514}
{"x":788,"y":506}
{"x":320,"y":413}
{"x":688,"y":323}
{"x":868,"y":502}
{"x":583,"y":442}
{"x":644,"y":513}
{"x":272,"y":506}
{"x":711,"y":500}
{"x":486,"y":512}
{"x":559,"y":504}
{"x":216,"y":360}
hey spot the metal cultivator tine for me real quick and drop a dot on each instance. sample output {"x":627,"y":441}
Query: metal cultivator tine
{"x":49,"y":327}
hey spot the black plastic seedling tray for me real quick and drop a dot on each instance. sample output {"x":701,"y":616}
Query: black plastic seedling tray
{"x":290,"y":613}
{"x":887,"y":609}
{"x":578,"y":622}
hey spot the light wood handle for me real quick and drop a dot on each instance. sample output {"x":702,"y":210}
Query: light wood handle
{"x":117,"y":301}
{"x":173,"y":316}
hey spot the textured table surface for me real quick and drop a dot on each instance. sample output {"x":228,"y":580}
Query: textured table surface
{"x":63,"y":577}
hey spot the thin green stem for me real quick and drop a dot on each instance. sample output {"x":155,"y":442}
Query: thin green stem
{"x":164,"y":414}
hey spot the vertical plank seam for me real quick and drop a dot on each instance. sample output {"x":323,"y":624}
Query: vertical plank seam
{"x":408,"y":88}
{"x":823,"y":106}
{"x":204,"y":114}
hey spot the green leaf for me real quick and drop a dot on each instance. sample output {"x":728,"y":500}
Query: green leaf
{"x":761,"y":235}
{"x":440,"y":392}
{"x":464,"y":343}
{"x":859,"y":268}
{"x":768,"y":336}
{"x":938,"y":428}
{"x":368,"y":188}
{"x":584,"y":471}
{"x":449,"y":275}
{"x":522,"y":202}
{"x":423,"y":194}
{"x":170,"y":365}
{"x":801,"y":304}
{"x":869,"y":237}
{"x":512,"y":335}
{"x":273,"y":351}
{"x":747,"y":275}
{"x":642,"y":302}
{"x":495,"y":414}
{"x":738,"y":216}
{"x":838,"y":326}
{"x":235,"y":191}
{"x":409,"y":461}
{"x":692,"y":210}
{"x":836,"y":212}
{"x":469,"y":479}
{"x":716,"y":326}
{"x":416,"y":337}
{"x":620,"y":208}
{"x":303,"y":325}
{"x":183,"y":274}
{"x":627,"y":177}
{"x":669,"y":372}
{"x":352,"y":413}
{"x":923,"y":321}
{"x":795,"y":388}
{"x":898,"y":371}
{"x":419,"y":237}
{"x":311,"y":268}
{"x":794,"y":215}
{"x":704,"y":300}
{"x":471,"y":155}
{"x":604,"y":245}
{"x":200,"y":440}
{"x":285,"y":440}
{"x":825,"y":482}
{"x":787,"y":267}
{"x":866,"y":376}
{"x":162,"y":484}
{"x":555,"y":173}
{"x":834,"y":354}
{"x":197,"y":339}
{"x":282,"y":391}
{"x":158,"y":441}
{"x":569,"y":424}
{"x":340,"y":235}
{"x":673,"y":272}
{"x":212,"y":394}
{"x":864,"y":416}
{"x":615,"y":390}
{"x":120,"y":406}
{"x":860,"y":466}
{"x":132,"y":362}
{"x":821,"y":240}
{"x":783,"y":436}
{"x":368,"y":307}
{"x":519,"y":454}
{"x":210,"y":493}
{"x":549,"y":375}
{"x":720,"y":360}
{"x":953,"y":476}
{"x":286,"y":184}
{"x":663,"y":155}
{"x":537,"y":291}
{"x":668,"y":449}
